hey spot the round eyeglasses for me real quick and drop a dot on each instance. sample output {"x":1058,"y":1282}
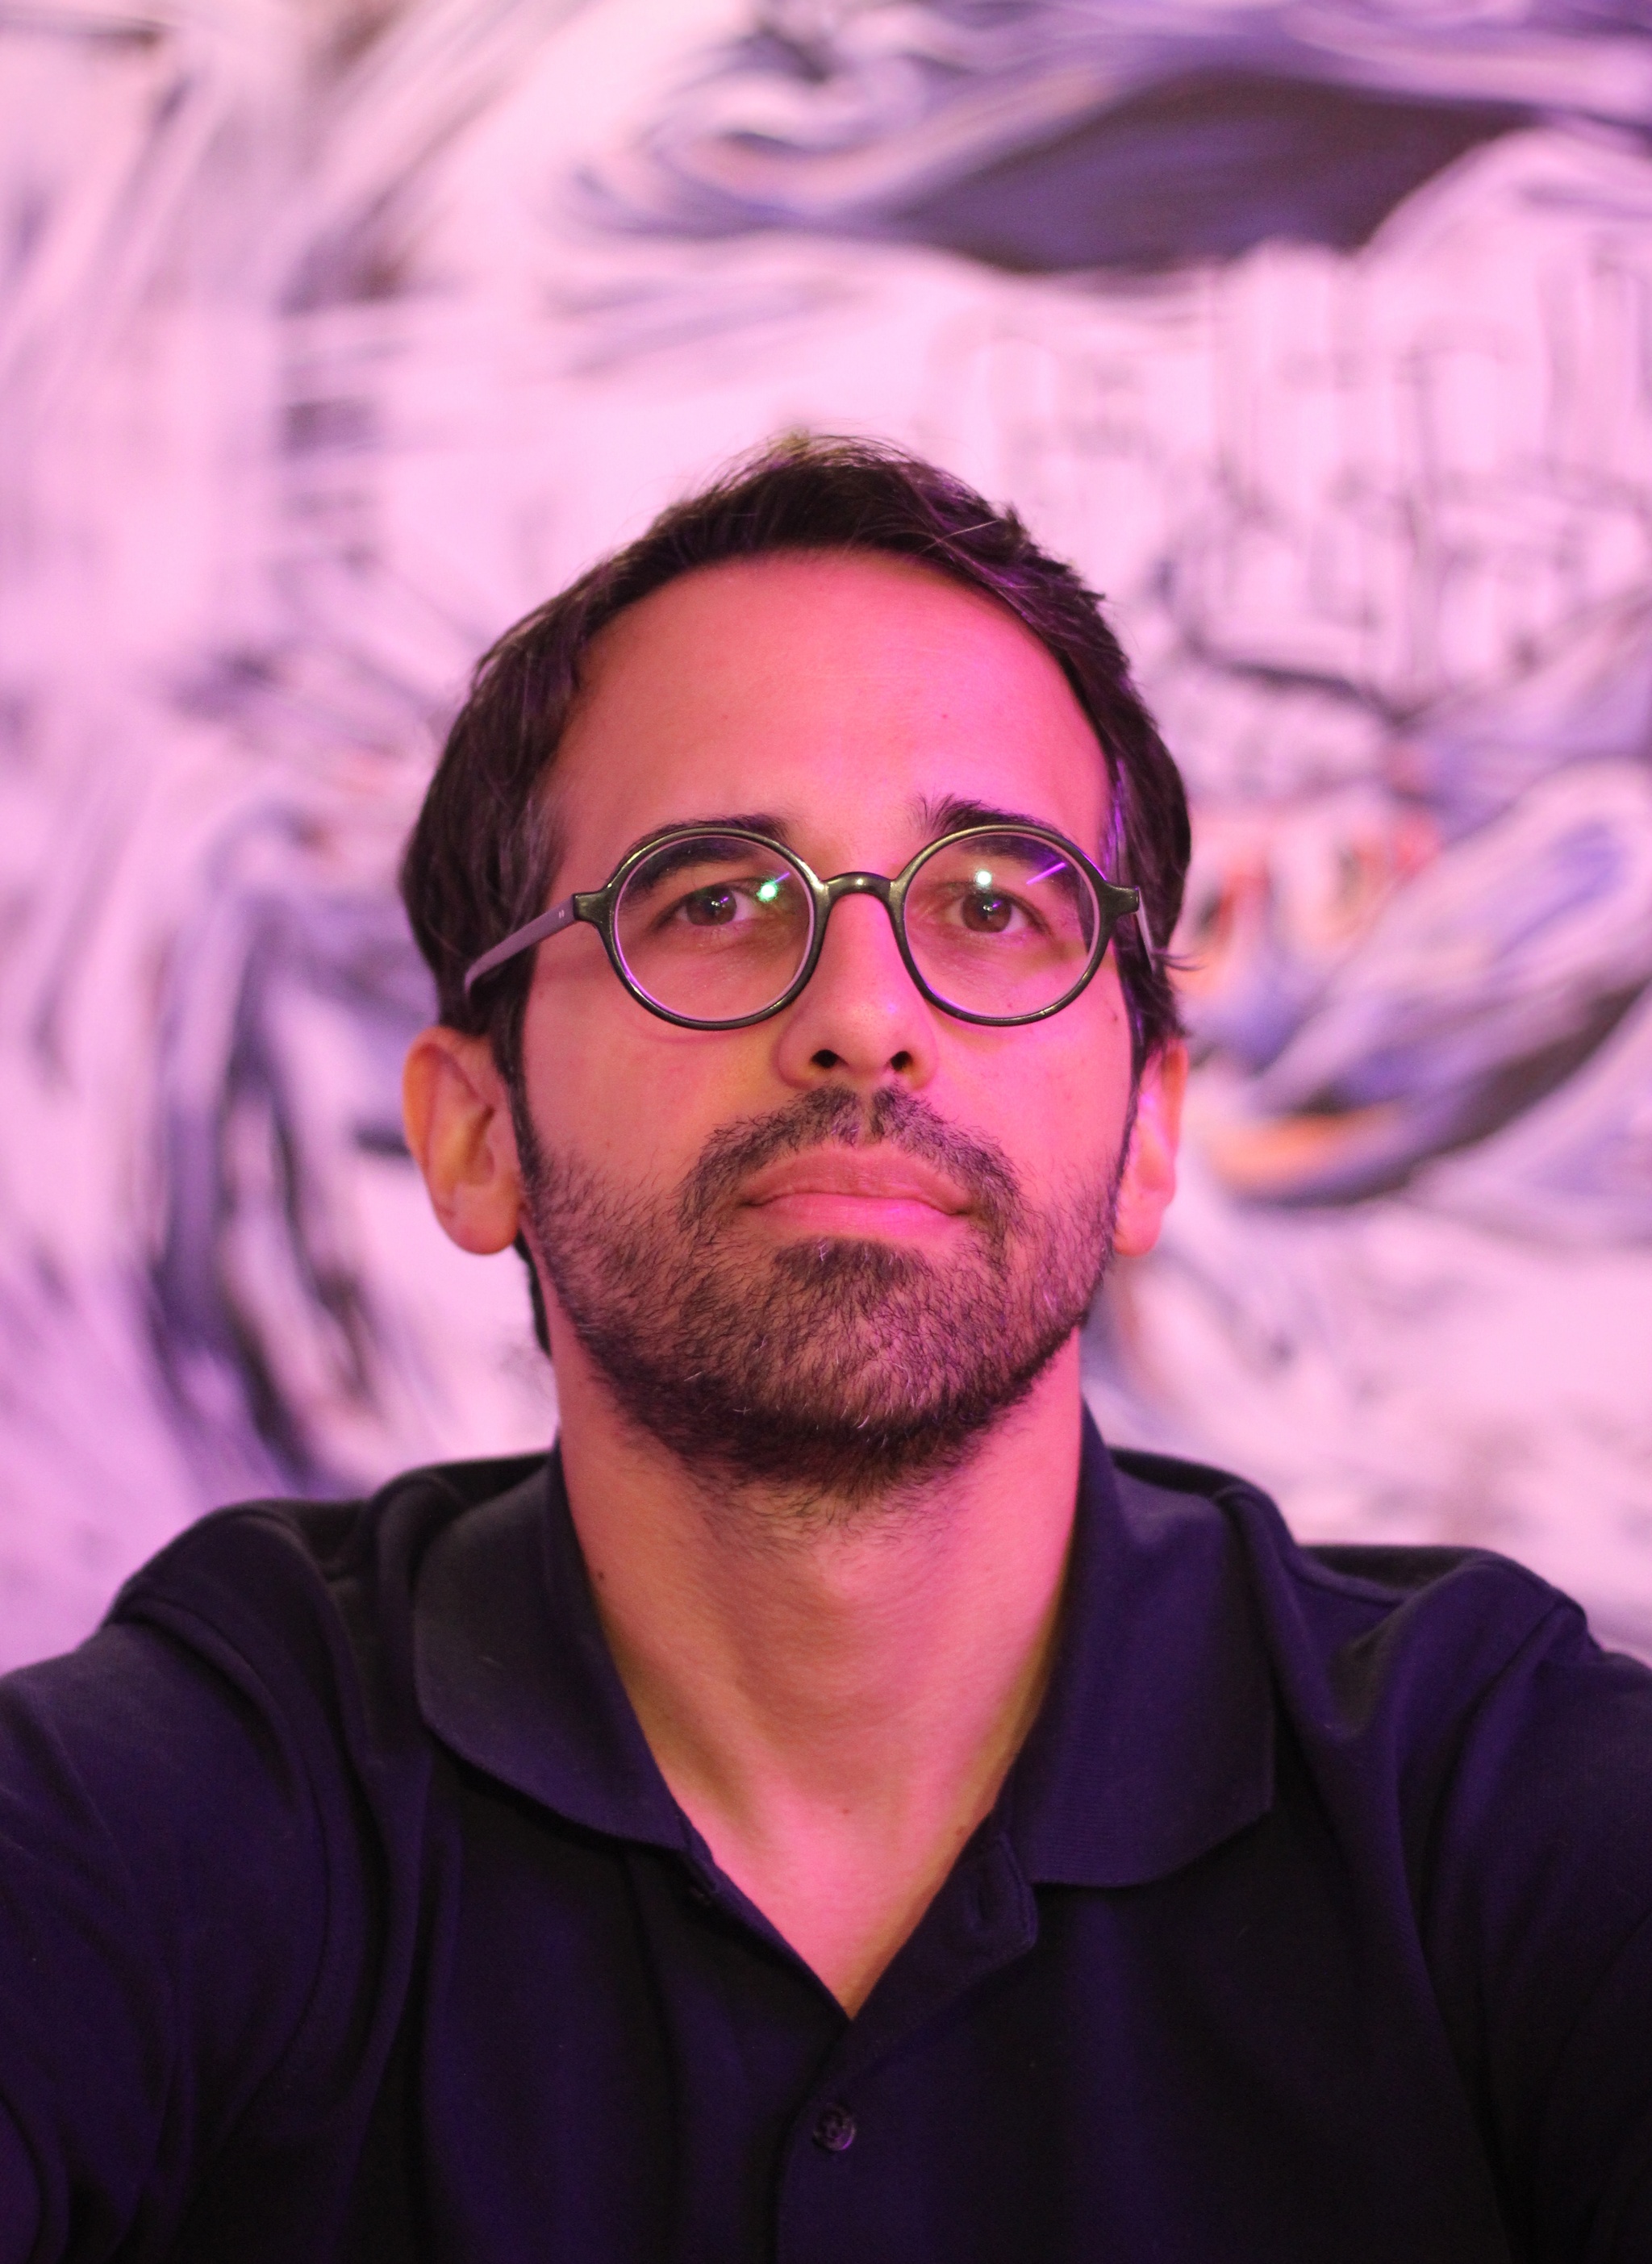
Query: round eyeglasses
{"x":715,"y":927}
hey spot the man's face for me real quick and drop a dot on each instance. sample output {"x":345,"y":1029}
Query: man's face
{"x":831,"y":1247}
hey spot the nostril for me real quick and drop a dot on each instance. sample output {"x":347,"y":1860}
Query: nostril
{"x":901,"y":1061}
{"x":825,"y":1059}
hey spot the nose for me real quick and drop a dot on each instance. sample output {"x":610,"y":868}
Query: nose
{"x":860,"y":1015}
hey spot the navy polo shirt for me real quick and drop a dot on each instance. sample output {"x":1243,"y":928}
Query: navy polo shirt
{"x":344,"y":1914}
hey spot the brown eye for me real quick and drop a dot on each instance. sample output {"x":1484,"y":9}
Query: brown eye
{"x":987,"y":915}
{"x":710,"y":907}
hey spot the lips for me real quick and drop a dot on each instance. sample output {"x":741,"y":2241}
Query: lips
{"x":892,"y":1167}
{"x":853,"y":1177}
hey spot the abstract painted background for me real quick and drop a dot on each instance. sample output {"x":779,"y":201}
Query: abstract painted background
{"x":335,"y":333}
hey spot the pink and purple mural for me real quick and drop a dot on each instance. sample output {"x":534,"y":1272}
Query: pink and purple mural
{"x":333,"y":337}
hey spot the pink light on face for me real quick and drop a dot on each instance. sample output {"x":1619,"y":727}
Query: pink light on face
{"x":318,"y":373}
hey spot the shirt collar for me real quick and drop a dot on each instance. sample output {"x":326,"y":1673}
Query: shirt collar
{"x":1154,"y":1742}
{"x":514,"y":1673}
{"x":1156,"y":1739}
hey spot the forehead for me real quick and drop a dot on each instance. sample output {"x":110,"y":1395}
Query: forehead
{"x":846,"y":694}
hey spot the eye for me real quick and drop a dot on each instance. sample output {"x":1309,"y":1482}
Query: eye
{"x":711,"y":907}
{"x":987,"y":914}
{"x":739,"y":906}
{"x":982,"y":907}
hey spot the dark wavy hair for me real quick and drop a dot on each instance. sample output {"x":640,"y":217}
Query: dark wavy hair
{"x":484,"y":851}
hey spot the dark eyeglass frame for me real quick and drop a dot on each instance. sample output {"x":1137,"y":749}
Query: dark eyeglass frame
{"x":597,"y":906}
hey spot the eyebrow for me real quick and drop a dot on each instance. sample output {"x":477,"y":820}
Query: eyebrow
{"x":948,"y":813}
{"x":749,"y":821}
{"x":952,"y":813}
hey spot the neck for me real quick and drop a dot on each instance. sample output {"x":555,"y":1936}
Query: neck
{"x":834,"y":1697}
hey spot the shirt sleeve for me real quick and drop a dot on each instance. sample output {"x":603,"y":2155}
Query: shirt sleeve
{"x":162,"y":1912}
{"x":1538,"y":1909}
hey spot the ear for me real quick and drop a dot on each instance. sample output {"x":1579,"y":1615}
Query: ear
{"x":457,"y":1112}
{"x":1149,"y":1176}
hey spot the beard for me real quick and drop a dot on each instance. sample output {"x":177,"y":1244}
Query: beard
{"x":831,"y":1371}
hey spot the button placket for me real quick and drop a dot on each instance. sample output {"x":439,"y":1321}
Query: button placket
{"x":835,"y":2164}
{"x":833,"y":2130}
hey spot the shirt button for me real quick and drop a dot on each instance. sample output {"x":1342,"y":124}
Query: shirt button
{"x":834,"y":2130}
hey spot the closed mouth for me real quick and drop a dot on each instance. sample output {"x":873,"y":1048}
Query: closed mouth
{"x":854,"y":1177}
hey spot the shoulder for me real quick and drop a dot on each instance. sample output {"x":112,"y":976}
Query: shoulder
{"x":211,"y":1815}
{"x":1449,"y":1689}
{"x":249,"y":1680}
{"x":1351,"y":1629}
{"x":1353,"y":1582}
{"x":290,"y":1596}
{"x":267,"y":1637}
{"x":1481,"y":1771}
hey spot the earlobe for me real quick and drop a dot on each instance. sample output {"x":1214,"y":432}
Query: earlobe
{"x":457,"y":1115}
{"x":1148,"y":1180}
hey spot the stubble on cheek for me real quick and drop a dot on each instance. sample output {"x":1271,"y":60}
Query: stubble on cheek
{"x":833,"y":1371}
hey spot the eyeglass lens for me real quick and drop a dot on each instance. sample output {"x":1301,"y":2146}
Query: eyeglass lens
{"x":716,"y":928}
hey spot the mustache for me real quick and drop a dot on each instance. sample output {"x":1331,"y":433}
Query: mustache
{"x":834,"y":1115}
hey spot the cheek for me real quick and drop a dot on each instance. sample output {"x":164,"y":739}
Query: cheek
{"x":631,"y":1096}
{"x":1058,"y":1130}
{"x":1060,"y":1092}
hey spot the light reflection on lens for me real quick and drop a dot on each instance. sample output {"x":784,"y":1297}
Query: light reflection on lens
{"x":719,"y":968}
{"x":1003,"y":925}
{"x":718,"y":928}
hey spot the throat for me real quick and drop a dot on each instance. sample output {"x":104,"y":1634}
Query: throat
{"x":869,"y":1697}
{"x":847,"y":1901}
{"x":835,"y":1706}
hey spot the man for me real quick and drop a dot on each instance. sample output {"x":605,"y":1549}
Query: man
{"x":830,"y":1808}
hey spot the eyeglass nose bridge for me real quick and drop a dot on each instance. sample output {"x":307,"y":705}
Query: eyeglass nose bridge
{"x":858,"y":884}
{"x":597,"y":906}
{"x":832,"y":892}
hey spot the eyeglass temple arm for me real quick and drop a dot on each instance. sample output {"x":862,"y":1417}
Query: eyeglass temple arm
{"x":1131,"y":906}
{"x":522,"y":939}
{"x":564,"y":914}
